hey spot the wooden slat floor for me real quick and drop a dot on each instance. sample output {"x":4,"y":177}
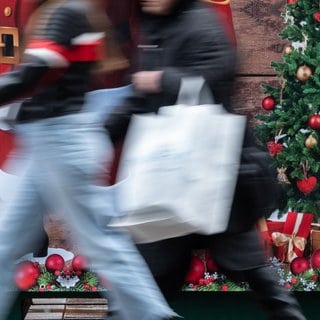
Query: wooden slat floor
{"x":67,"y":308}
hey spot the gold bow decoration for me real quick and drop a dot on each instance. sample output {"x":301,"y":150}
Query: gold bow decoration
{"x":288,"y":242}
{"x":222,"y":2}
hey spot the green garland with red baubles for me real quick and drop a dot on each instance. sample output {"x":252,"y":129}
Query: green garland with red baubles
{"x":301,"y":274}
{"x":56,"y":275}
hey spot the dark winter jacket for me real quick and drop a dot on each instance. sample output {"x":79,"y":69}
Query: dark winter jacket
{"x":188,"y":42}
{"x":58,"y":59}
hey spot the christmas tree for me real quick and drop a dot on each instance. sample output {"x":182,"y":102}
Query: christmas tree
{"x":289,"y":125}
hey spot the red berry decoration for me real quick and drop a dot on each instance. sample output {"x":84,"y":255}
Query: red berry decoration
{"x":196,"y":270}
{"x":268,"y":103}
{"x":224,"y":287}
{"x":315,"y":259}
{"x":299,"y":265}
{"x":307,"y":185}
{"x":287,"y":285}
{"x":314,"y":121}
{"x":316,"y":16}
{"x":274,"y":148}
{"x":79,"y":263}
{"x":26,"y":275}
{"x":54,"y":262}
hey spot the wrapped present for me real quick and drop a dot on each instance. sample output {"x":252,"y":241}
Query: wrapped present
{"x":266,"y":241}
{"x":291,"y":242}
{"x":274,"y":226}
{"x":315,"y":236}
{"x":266,"y":228}
{"x":263,"y":229}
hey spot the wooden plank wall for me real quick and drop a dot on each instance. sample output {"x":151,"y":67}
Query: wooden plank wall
{"x":257,"y":24}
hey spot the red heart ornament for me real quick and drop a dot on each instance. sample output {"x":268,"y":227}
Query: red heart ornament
{"x":307,"y":185}
{"x":274,"y":148}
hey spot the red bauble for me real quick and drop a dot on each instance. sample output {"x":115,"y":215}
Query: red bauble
{"x":314,"y":121}
{"x":210,"y":264}
{"x":268,"y":103}
{"x":299,"y":265}
{"x":26,"y":275}
{"x":315,"y":259}
{"x":307,"y":185}
{"x":316,"y":16}
{"x":79,"y":263}
{"x":292,"y":1}
{"x":54,"y":262}
{"x":196,"y":270}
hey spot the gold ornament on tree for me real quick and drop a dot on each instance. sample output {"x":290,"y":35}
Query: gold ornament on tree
{"x":310,"y":142}
{"x":282,"y":177}
{"x":288,"y":49}
{"x":304,"y":73}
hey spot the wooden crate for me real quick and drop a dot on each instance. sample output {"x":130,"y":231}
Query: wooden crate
{"x":67,"y":308}
{"x":315,"y":236}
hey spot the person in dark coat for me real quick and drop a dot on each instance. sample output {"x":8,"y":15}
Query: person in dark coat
{"x":180,"y":38}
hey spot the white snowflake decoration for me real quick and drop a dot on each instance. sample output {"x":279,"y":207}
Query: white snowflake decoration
{"x":68,"y":282}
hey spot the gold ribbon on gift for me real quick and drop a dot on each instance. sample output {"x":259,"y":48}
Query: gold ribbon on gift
{"x":288,"y":242}
{"x":223,"y":2}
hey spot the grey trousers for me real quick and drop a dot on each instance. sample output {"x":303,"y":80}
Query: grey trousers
{"x":64,"y":164}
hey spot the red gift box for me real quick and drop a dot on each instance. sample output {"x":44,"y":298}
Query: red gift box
{"x":265,"y":239}
{"x":274,"y":226}
{"x":292,"y":240}
{"x":266,"y":228}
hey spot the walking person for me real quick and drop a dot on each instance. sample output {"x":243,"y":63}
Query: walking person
{"x":180,"y":38}
{"x":65,"y":151}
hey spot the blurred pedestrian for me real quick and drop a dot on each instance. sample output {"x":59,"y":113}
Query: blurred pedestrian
{"x":180,"y":38}
{"x":66,"y":147}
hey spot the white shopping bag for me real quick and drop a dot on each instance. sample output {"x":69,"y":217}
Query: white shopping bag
{"x":179,"y":168}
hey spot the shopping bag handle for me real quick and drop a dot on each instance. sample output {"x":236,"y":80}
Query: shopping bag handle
{"x":194,"y":91}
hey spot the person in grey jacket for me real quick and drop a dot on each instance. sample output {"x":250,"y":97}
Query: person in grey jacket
{"x":180,"y":38}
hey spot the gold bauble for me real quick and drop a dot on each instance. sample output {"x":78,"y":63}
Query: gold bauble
{"x":310,"y":142}
{"x":287,"y":49}
{"x":303,"y":73}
